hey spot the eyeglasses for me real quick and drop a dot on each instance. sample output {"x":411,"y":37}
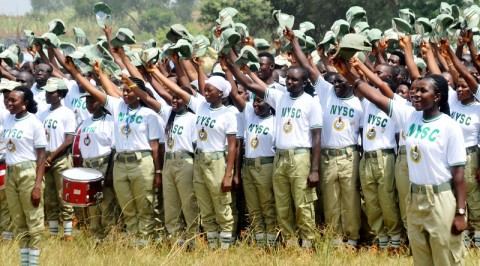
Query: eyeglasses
{"x":391,"y":61}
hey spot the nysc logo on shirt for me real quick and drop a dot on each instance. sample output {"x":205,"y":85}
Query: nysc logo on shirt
{"x":202,"y":134}
{"x":11,"y":146}
{"x":461,"y":118}
{"x":133,"y":118}
{"x":339,"y":124}
{"x":254,"y":142}
{"x":287,"y":127}
{"x":422,"y":132}
{"x":415,"y":154}
{"x":78,"y":103}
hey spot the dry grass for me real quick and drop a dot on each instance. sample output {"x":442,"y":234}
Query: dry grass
{"x":84,"y":252}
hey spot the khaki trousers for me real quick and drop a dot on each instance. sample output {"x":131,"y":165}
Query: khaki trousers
{"x":28,"y":221}
{"x":56,"y":208}
{"x":473,"y":191}
{"x":402,"y":183}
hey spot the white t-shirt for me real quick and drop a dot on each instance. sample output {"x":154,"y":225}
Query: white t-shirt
{"x":212,"y":125}
{"x":468,"y":117}
{"x":378,"y":129}
{"x":74,"y":102}
{"x":22,"y":137}
{"x":278,"y":86}
{"x":134,"y":128}
{"x":39,"y":97}
{"x":259,"y":133}
{"x":3,"y":117}
{"x":433,"y":146}
{"x":342,"y":117}
{"x":96,"y":137}
{"x":57,"y":123}
{"x":182,"y":133}
{"x":295,"y":117}
{"x":401,"y":132}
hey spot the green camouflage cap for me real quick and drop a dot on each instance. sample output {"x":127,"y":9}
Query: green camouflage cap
{"x":420,"y":63}
{"x":329,"y":39}
{"x":306,"y":26}
{"x":87,"y":94}
{"x":301,"y":41}
{"x":423,"y":26}
{"x":51,"y":40}
{"x":103,"y":14}
{"x":355,"y":14}
{"x":124,"y":36}
{"x":2,"y":47}
{"x":9,"y":85}
{"x":80,"y":36}
{"x":351,"y":44}
{"x":261,"y":44}
{"x":200,"y":45}
{"x":241,"y":29}
{"x":284,"y":21}
{"x":361,"y":27}
{"x":401,"y":26}
{"x":9,"y":57}
{"x":177,"y":32}
{"x":111,"y":69}
{"x":309,"y":45}
{"x":254,"y":66}
{"x":183,"y":47}
{"x":225,"y":17}
{"x":472,"y":17}
{"x":55,"y":84}
{"x":407,"y":15}
{"x":150,"y":55}
{"x":56,"y":27}
{"x":29,"y":35}
{"x":340,"y":28}
{"x":67,"y":48}
{"x":247,"y":54}
{"x":230,"y":37}
{"x":134,"y":58}
{"x":445,"y":8}
{"x":374,"y":35}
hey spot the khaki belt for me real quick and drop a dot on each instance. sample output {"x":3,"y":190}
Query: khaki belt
{"x":340,"y":151}
{"x":295,"y":151}
{"x":402,"y":150}
{"x":21,"y":166}
{"x":179,"y":155}
{"x":261,"y":160}
{"x":436,"y":188}
{"x":373,"y":154}
{"x":130,"y":157}
{"x":472,"y":149}
{"x":96,"y":162}
{"x":212,"y":155}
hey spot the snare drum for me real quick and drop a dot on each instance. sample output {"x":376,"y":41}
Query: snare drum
{"x":82,"y":187}
{"x":3,"y":170}
{"x":76,"y":154}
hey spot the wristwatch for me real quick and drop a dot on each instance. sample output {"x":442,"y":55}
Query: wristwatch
{"x":460,"y":211}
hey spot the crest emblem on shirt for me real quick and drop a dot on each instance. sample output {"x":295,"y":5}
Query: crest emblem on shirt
{"x":415,"y":154}
{"x":371,"y":134}
{"x":339,"y":124}
{"x":254,"y":143}
{"x":202,"y":134}
{"x":87,"y":140}
{"x":11,"y":146}
{"x":47,"y":135}
{"x":170,"y":143}
{"x":287,"y":127}
{"x":403,"y":135}
{"x":125,"y":130}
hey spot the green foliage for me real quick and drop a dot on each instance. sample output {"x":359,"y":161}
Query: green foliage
{"x":48,"y":5}
{"x":155,"y":18}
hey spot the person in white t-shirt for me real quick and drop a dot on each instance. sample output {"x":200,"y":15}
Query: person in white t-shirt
{"x":212,"y":171}
{"x":25,"y":143}
{"x":436,"y":160}
{"x":297,"y":136}
{"x":59,"y":124}
{"x":97,"y":143}
{"x":137,"y":167}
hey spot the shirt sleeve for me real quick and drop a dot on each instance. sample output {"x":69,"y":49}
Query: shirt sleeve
{"x":156,"y":128}
{"x":477,"y":93}
{"x":322,"y":88}
{"x":195,"y":103}
{"x":399,"y":113}
{"x":315,"y":116}
{"x":457,"y":155}
{"x":112,"y":105}
{"x":452,"y":97}
{"x":70,"y":123}
{"x":39,"y":137}
{"x":231,"y":126}
{"x":272,"y":97}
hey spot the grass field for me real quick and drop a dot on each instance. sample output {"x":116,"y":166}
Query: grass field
{"x":83,"y":251}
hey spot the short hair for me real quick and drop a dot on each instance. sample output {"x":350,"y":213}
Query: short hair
{"x":267,"y":55}
{"x":391,"y":84}
{"x":401,"y":57}
{"x":28,"y":96}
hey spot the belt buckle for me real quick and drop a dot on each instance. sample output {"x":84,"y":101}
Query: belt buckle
{"x":422,"y":189}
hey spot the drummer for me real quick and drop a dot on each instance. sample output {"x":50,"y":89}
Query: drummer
{"x":96,"y":146}
{"x":59,"y":124}
{"x":25,"y":143}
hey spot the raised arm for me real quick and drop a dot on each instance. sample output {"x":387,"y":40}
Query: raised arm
{"x":181,"y":76}
{"x":244,"y":80}
{"x":108,"y":34}
{"x":238,"y":100}
{"x":406,"y":44}
{"x":141,"y":94}
{"x":109,"y":87}
{"x":190,"y":69}
{"x":126,"y":61}
{"x":313,"y":72}
{"x":169,"y":84}
{"x":462,"y":70}
{"x":84,"y":82}
{"x":382,"y":86}
{"x":430,"y":58}
{"x":201,"y":75}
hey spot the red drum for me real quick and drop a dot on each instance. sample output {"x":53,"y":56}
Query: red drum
{"x":3,"y":169}
{"x":76,"y":154}
{"x":82,"y":187}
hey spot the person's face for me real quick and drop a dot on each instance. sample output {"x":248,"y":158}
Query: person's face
{"x":52,"y":97}
{"x":463,"y":92}
{"x":474,"y":72}
{"x":178,"y":105}
{"x":394,"y":60}
{"x":212,"y":94}
{"x":260,"y":107}
{"x":403,"y":91}
{"x":412,"y":90}
{"x":25,"y":79}
{"x":129,"y":96}
{"x":321,"y":67}
{"x":242,"y":92}
{"x":295,"y":80}
{"x":92,"y":104}
{"x":42,"y":74}
{"x":5,"y":93}
{"x":266,"y":68}
{"x":15,"y":103}
{"x":341,"y":86}
{"x":382,"y":72}
{"x":424,"y":96}
{"x":449,"y":79}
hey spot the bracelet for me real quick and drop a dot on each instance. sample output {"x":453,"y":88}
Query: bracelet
{"x":449,"y":65}
{"x":357,"y":83}
{"x":158,"y":171}
{"x":133,"y":86}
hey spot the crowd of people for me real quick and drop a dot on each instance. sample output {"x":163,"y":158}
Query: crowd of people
{"x":372,"y":135}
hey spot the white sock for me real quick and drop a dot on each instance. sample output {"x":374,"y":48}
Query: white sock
{"x":225,"y":239}
{"x":67,"y":228}
{"x":260,"y":238}
{"x":24,"y":256}
{"x":383,"y":241}
{"x":271,"y":240}
{"x":53,"y":225}
{"x":476,"y":237}
{"x":34,"y":257}
{"x":396,"y":241}
{"x":352,"y":243}
{"x":337,"y":241}
{"x":6,"y":235}
{"x":212,"y":238}
{"x":307,"y":243}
